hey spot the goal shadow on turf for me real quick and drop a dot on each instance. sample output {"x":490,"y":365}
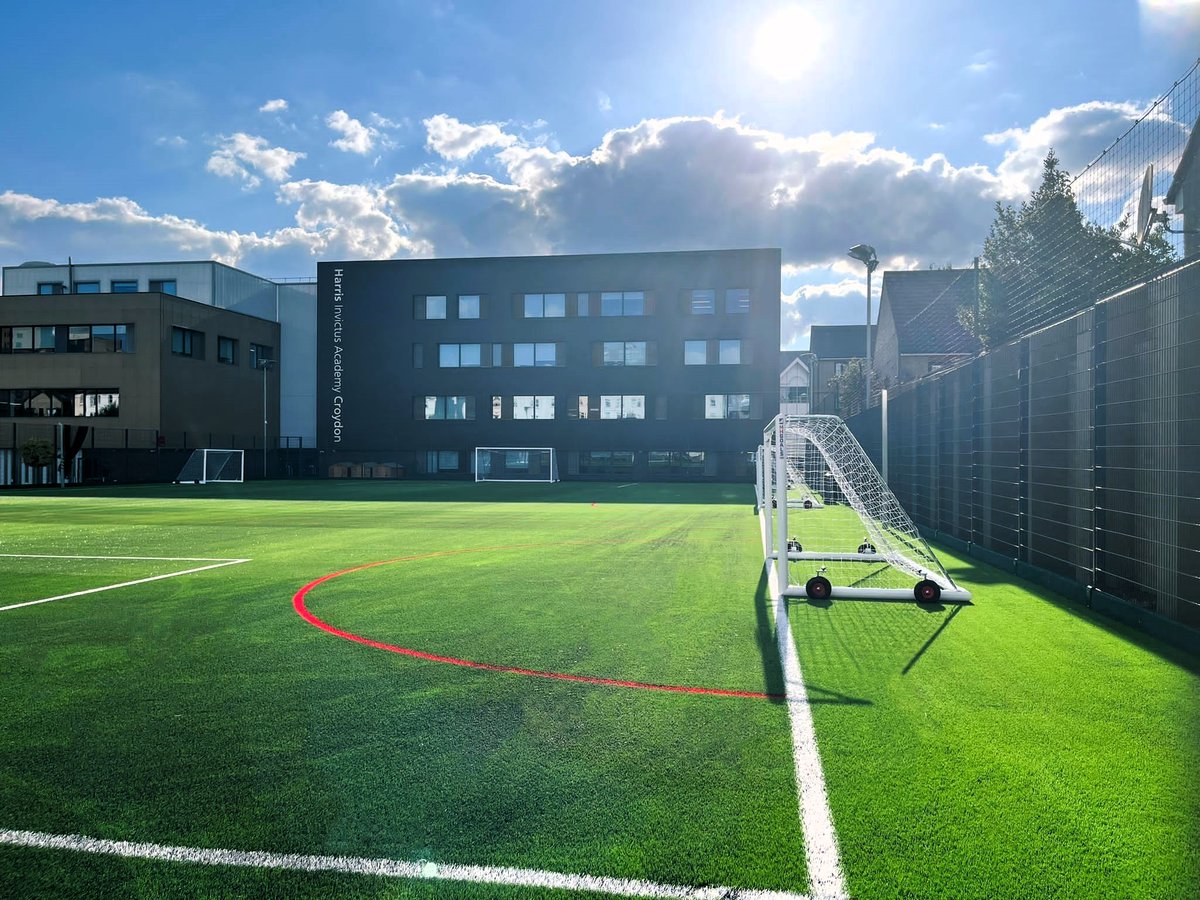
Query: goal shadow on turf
{"x":768,"y":648}
{"x":933,"y":637}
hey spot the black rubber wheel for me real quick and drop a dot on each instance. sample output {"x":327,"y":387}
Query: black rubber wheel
{"x":808,"y":504}
{"x":927,"y":591}
{"x":866,"y":547}
{"x":818,"y":588}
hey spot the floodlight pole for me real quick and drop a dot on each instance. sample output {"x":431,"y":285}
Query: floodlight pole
{"x":265,"y":364}
{"x":865,"y":254}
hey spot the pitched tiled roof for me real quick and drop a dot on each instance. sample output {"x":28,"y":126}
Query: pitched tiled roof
{"x":838,"y":341}
{"x":924,"y":305}
{"x":787,"y":357}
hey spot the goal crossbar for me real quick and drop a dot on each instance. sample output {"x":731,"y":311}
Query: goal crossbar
{"x":516,"y":464}
{"x":207,"y":466}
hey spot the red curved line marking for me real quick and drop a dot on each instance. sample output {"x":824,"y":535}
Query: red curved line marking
{"x":298,"y":603}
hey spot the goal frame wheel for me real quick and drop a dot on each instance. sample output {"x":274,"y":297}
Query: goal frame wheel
{"x":818,"y":588}
{"x":927,"y":591}
{"x":866,"y":547}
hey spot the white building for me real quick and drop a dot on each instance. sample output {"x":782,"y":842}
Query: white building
{"x":794,"y":384}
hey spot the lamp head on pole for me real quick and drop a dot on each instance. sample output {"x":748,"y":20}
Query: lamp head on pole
{"x":865,"y":254}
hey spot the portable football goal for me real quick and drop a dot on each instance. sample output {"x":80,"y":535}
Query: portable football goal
{"x":536,"y":464}
{"x":206,"y":466}
{"x":834,"y":527}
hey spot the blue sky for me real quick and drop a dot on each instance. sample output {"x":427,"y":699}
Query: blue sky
{"x":271,"y":135}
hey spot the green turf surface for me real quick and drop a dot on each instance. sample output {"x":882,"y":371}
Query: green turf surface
{"x":202,"y":711}
{"x":1013,"y":747}
{"x":1019,"y":746}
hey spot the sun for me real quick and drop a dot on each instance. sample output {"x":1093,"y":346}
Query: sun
{"x":788,"y":43}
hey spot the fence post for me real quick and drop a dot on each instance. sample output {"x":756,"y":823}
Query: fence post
{"x":1024,"y":473}
{"x":1099,"y":437}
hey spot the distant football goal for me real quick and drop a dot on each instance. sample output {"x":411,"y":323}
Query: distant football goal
{"x":207,"y":466}
{"x":834,"y":527}
{"x":537,"y":464}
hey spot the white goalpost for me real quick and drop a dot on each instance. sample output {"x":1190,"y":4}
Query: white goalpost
{"x":835,"y":527}
{"x":526,"y":464}
{"x":209,"y":466}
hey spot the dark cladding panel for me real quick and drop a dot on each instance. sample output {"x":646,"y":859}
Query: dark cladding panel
{"x":533,"y":336}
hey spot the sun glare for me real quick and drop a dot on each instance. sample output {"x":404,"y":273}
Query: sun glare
{"x":788,"y":43}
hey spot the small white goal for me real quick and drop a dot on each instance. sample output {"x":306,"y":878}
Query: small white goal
{"x":536,"y":464}
{"x":205,"y":466}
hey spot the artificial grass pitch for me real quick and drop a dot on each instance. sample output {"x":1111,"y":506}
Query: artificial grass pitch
{"x":1017,"y":746}
{"x":202,"y":711}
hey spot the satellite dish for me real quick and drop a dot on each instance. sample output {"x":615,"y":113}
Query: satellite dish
{"x":1145,"y":209}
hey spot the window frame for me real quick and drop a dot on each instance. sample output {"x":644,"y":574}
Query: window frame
{"x":232,"y":343}
{"x":190,"y":343}
{"x":478,"y":298}
{"x":737,"y":301}
{"x":701,"y":295}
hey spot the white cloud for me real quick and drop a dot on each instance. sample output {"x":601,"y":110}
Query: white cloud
{"x":382,"y":122}
{"x":174,"y":140}
{"x":332,"y":221}
{"x":355,"y":136}
{"x":349,"y":221}
{"x":603,"y":101}
{"x":981,"y":63}
{"x":1178,"y":20}
{"x":113,"y":223}
{"x":242,"y":155}
{"x":1078,"y":134}
{"x":451,"y":139}
{"x":659,"y":184}
{"x":271,"y":106}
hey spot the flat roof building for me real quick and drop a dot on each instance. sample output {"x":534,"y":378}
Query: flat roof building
{"x":631,"y":365}
{"x":290,"y":302}
{"x":142,"y":371}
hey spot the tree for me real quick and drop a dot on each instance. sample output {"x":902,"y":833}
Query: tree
{"x":37,"y":453}
{"x":1044,"y":261}
{"x":847,"y":387}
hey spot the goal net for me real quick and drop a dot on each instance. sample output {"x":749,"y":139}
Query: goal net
{"x":835,"y":529}
{"x":205,"y":466}
{"x":516,"y":464}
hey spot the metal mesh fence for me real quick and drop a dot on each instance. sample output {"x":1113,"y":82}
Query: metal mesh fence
{"x":1076,"y":238}
{"x":137,"y":455}
{"x":1074,"y":451}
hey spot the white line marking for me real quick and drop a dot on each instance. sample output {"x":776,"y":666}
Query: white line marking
{"x":631,"y":484}
{"x":113,"y":587}
{"x":388,"y":868}
{"x":157,"y":558}
{"x":820,"y":840}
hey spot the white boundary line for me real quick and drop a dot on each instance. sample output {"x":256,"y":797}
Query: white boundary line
{"x":387,"y":868}
{"x":825,"y":877}
{"x":113,"y":587}
{"x":158,"y":558}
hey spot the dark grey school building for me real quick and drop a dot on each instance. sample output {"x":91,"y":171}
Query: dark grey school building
{"x":631,"y":366}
